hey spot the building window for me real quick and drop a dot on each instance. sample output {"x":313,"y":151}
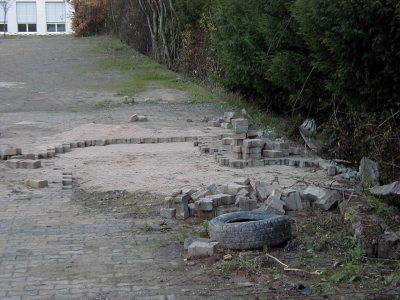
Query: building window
{"x":3,"y":25}
{"x":55,"y":16}
{"x":26,"y":16}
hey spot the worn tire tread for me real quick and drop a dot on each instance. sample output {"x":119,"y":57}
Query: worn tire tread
{"x":260,"y":229}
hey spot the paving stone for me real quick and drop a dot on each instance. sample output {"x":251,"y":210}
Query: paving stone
{"x":242,"y":180}
{"x":9,"y":151}
{"x":36,"y":183}
{"x":272,"y":153}
{"x":201,"y":193}
{"x":168,"y":213}
{"x":331,"y":171}
{"x":247,"y":204}
{"x":226,"y":125}
{"x":13,"y":163}
{"x":204,"y":204}
{"x":169,"y":202}
{"x":198,"y":249}
{"x":233,"y":189}
{"x":34,"y":164}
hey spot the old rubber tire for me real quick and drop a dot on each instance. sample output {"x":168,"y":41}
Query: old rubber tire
{"x":249,"y":230}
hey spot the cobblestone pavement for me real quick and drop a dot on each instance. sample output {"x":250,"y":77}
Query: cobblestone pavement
{"x":51,"y":248}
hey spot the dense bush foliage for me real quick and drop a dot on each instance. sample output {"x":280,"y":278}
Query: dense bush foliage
{"x":335,"y":60}
{"x":90,"y":17}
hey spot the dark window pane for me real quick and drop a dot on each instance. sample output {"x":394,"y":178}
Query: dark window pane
{"x":60,"y":27}
{"x":51,"y":27}
{"x":31,"y":27}
{"x":2,"y":27}
{"x":21,"y":27}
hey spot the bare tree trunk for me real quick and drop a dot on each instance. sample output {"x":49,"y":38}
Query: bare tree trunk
{"x":162,"y":22}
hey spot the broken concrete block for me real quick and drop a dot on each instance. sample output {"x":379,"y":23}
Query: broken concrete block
{"x":392,"y":189}
{"x":233,"y":189}
{"x":199,"y":249}
{"x":204,"y":204}
{"x":272,"y":153}
{"x":276,"y":193}
{"x":201,"y":194}
{"x":369,"y":170}
{"x":273,"y":206}
{"x":293,"y":202}
{"x":242,"y":180}
{"x":287,"y":192}
{"x":168,"y":213}
{"x":242,"y":193}
{"x":314,"y":193}
{"x":329,"y":199}
{"x":35,"y":183}
{"x":261,"y":192}
{"x":323,"y":198}
{"x":134,"y":118}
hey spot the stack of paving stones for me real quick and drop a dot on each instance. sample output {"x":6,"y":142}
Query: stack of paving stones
{"x":16,"y":160}
{"x":243,"y":195}
{"x":247,"y":148}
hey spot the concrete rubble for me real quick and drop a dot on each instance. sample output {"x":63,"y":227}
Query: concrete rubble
{"x":244,"y":195}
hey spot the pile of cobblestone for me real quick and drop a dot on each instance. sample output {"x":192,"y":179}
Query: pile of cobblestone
{"x":243,"y":195}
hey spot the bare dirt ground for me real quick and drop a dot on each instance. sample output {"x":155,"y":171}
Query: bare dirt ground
{"x":105,"y":239}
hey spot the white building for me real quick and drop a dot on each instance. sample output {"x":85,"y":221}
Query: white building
{"x":36,"y":17}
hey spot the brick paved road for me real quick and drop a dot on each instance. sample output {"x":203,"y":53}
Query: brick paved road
{"x":51,"y":248}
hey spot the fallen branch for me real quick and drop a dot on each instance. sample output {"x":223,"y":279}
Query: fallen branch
{"x":286,"y":267}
